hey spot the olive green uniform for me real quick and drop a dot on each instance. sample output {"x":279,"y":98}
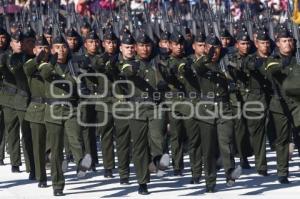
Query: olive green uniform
{"x":178,"y":131}
{"x":15,"y":98}
{"x":215,"y":96}
{"x":257,"y":88}
{"x":241,"y":131}
{"x":61,"y":117}
{"x":35,"y":115}
{"x":278,"y":68}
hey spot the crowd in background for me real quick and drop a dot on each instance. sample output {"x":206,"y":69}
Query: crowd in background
{"x":89,"y":7}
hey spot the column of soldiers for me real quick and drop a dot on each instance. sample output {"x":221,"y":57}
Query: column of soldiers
{"x":215,"y":98}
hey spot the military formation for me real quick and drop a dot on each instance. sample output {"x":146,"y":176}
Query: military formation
{"x":149,"y":91}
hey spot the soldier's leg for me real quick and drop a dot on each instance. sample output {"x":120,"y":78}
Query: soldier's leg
{"x":38,"y":132}
{"x":56,"y":135}
{"x":106,"y":133}
{"x":140,"y":149}
{"x":282,"y":130}
{"x":209,"y":142}
{"x":1,"y":131}
{"x":73,"y":131}
{"x":89,"y":144}
{"x":123,"y":145}
{"x":156,"y":137}
{"x":257,"y":131}
{"x":93,"y":144}
{"x":86,"y":139}
{"x":225,"y":139}
{"x":176,"y":140}
{"x":26,"y":142}
{"x":270,"y":130}
{"x":13,"y":135}
{"x":48,"y":149}
{"x":88,"y":132}
{"x":194,"y":141}
{"x":242,"y":138}
{"x":68,"y":152}
{"x":2,"y":137}
{"x":2,"y":146}
{"x":296,"y":132}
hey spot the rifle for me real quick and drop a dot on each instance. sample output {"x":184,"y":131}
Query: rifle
{"x":248,"y":20}
{"x":148,"y":22}
{"x":230,"y":21}
{"x":295,"y":34}
{"x":223,"y":63}
{"x":270,"y":22}
{"x":212,"y":19}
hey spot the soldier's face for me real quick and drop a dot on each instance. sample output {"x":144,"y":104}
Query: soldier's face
{"x":127,"y":50}
{"x":28,"y":45}
{"x":84,"y":31}
{"x":62,"y":52}
{"x":16,"y":46}
{"x":110,"y":46}
{"x":92,"y":45}
{"x":286,"y":45}
{"x":49,"y":38}
{"x":225,"y":41}
{"x":217,"y":52}
{"x":188,"y":36}
{"x":143,"y":50}
{"x":38,"y":49}
{"x":3,"y":41}
{"x":72,"y":42}
{"x":164,"y":44}
{"x":177,"y":49}
{"x":199,"y":48}
{"x":13,"y":30}
{"x":263,"y":47}
{"x":243,"y":47}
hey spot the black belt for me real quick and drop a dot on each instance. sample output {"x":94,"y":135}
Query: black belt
{"x":38,"y":100}
{"x":56,"y":101}
{"x":215,"y":98}
{"x":22,"y":93}
{"x":141,"y":99}
{"x":9,"y":90}
{"x":252,"y":91}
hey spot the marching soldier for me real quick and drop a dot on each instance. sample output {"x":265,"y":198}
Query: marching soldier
{"x":36,"y":109}
{"x":61,"y":113}
{"x":74,"y":40}
{"x":258,"y":89}
{"x":108,"y":130}
{"x":279,"y":67}
{"x":127,"y":67}
{"x":214,"y":92}
{"x":178,"y":135}
{"x":112,"y":61}
{"x":48,"y":34}
{"x":15,"y":97}
{"x":202,"y":137}
{"x":87,"y":110}
{"x":4,"y":41}
{"x":236,"y":63}
{"x":146,"y":128}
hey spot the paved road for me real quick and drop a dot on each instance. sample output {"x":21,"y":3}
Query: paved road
{"x":94,"y":186}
